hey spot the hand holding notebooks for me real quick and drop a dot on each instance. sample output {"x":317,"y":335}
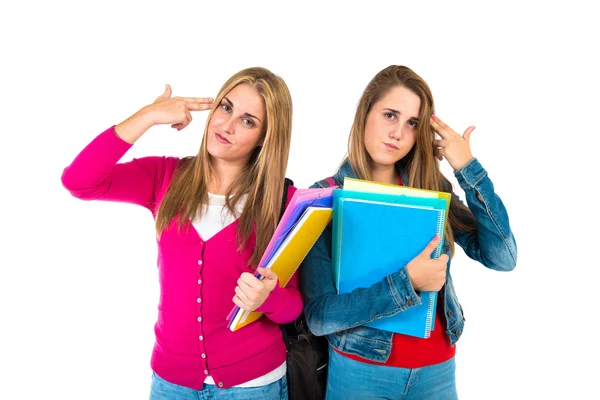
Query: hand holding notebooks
{"x":302,"y":223}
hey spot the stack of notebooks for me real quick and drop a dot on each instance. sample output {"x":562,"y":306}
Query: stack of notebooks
{"x":303,"y":221}
{"x":377,"y":229}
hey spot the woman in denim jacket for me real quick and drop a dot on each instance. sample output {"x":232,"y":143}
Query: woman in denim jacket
{"x":392,"y":140}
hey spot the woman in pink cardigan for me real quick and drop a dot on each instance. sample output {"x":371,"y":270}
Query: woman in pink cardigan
{"x":215,"y":214}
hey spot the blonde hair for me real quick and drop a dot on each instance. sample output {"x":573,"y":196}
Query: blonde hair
{"x":262,"y":179}
{"x":420,"y":164}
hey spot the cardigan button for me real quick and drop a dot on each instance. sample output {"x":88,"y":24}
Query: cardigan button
{"x":220,"y":384}
{"x":450,"y":313}
{"x":199,"y":262}
{"x":410,"y":302}
{"x":205,"y":372}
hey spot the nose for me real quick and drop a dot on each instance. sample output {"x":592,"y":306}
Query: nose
{"x":397,"y":132}
{"x":227,"y":125}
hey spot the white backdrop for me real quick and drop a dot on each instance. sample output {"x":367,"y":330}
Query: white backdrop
{"x":78,"y":280}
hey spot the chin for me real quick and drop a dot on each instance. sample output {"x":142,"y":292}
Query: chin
{"x":384,"y":160}
{"x":214,"y":151}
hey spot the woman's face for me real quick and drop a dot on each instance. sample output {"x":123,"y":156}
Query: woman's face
{"x":237,"y":125}
{"x":392,"y":126}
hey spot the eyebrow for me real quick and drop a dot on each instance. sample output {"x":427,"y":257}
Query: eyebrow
{"x":245,"y":114}
{"x":398,"y":112}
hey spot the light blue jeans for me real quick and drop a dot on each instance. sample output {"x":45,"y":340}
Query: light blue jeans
{"x":163,"y":390}
{"x":350,"y":379}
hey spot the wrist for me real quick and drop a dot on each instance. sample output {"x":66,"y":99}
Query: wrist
{"x":135,"y":126}
{"x":460,"y":166}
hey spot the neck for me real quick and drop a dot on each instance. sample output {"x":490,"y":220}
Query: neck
{"x":384,"y":174}
{"x":226,"y":173}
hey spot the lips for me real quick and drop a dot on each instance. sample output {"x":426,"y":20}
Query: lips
{"x":390,"y":146}
{"x":221,"y":139}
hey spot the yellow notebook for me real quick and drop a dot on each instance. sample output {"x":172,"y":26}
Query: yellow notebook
{"x":290,"y":254}
{"x":359,"y":185}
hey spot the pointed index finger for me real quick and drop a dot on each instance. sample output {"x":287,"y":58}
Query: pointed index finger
{"x":198,"y":106}
{"x":198,"y":99}
{"x":441,"y":128}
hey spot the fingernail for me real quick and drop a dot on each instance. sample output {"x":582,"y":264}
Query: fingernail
{"x":433,"y":116}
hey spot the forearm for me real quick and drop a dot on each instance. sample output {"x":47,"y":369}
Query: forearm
{"x":95,"y":173}
{"x":135,"y":126}
{"x":283,"y":305}
{"x":328,"y":312}
{"x":88,"y":172}
{"x":493,"y":243}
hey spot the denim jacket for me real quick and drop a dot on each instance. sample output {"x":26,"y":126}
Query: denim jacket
{"x":342,"y":316}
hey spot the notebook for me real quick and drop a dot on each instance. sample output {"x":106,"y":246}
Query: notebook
{"x":360,"y":185}
{"x":302,"y":198}
{"x":375,"y":235}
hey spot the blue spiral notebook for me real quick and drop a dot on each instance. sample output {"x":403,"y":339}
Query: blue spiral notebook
{"x":375,"y":235}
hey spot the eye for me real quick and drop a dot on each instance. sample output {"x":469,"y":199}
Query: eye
{"x":390,"y":116}
{"x":225,"y":107}
{"x":248,"y":122}
{"x":413,"y":124}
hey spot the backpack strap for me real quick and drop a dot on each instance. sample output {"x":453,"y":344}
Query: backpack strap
{"x":327,"y":182}
{"x":284,"y":199}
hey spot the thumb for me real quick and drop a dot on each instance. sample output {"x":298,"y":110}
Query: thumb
{"x":426,"y":253}
{"x":167,"y":93}
{"x":267,"y":273}
{"x":467,"y":134}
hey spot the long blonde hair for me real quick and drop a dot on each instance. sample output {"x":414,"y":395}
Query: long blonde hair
{"x":262,"y":178}
{"x":420,"y":164}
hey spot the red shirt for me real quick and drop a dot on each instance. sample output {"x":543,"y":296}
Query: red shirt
{"x":414,"y":352}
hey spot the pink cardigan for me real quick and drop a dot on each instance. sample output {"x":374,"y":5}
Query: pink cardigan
{"x":197,"y":277}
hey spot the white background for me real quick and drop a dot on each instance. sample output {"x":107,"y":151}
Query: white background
{"x":78,"y":280}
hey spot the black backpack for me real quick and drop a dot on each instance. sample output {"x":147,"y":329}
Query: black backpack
{"x":307,"y":354}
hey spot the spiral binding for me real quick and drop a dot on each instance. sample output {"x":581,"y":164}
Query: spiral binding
{"x":438,"y":252}
{"x":429,"y":319}
{"x":440,"y":229}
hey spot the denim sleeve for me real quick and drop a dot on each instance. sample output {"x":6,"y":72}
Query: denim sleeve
{"x":328,"y":312}
{"x":492,"y":243}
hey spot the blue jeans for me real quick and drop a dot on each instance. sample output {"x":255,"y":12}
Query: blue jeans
{"x":349,"y":379}
{"x":163,"y":390}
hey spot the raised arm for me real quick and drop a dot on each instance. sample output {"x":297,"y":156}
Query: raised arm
{"x":95,"y":173}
